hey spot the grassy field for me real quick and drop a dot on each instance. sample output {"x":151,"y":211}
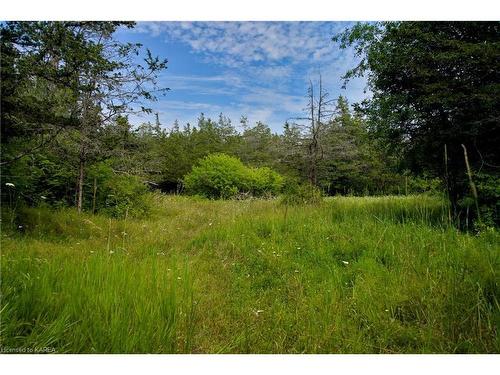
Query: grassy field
{"x":352,"y":275}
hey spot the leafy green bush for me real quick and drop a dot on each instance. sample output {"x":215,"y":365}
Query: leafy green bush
{"x":117,"y":195}
{"x":423,"y":184}
{"x":223,"y":176}
{"x":265,"y":181}
{"x":301,"y":193}
{"x":488,"y":186}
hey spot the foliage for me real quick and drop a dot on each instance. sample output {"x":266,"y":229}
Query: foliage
{"x":223,"y":176}
{"x":434,"y":84}
{"x":488,"y":186}
{"x":65,"y":82}
{"x":118,"y":194}
{"x":296,"y":193}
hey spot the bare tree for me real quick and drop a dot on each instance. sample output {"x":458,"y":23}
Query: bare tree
{"x":319,"y":114}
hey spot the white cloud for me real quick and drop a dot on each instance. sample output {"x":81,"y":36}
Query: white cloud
{"x":243,"y":43}
{"x":263,"y":69}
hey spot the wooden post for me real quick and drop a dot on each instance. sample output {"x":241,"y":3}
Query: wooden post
{"x":79,"y":202}
{"x":447,"y":181}
{"x":94,"y":196}
{"x":472,"y":185}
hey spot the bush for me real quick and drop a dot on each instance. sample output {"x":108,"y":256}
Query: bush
{"x":265,"y":181}
{"x":301,"y":193}
{"x":488,"y":186}
{"x":118,"y":194}
{"x":223,"y":176}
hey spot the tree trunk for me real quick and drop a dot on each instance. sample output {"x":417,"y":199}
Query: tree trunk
{"x":81,"y":167}
{"x":94,"y":196}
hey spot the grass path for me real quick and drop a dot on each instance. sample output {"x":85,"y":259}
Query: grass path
{"x":353,"y":275}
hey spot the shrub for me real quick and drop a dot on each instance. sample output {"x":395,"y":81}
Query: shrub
{"x":223,"y":176}
{"x":488,"y":186}
{"x":118,"y":194}
{"x":301,"y":193}
{"x":265,"y":181}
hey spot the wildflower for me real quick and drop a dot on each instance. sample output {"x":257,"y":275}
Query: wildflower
{"x":345,"y":262}
{"x":124,"y":233}
{"x":20,"y":227}
{"x":178,"y":277}
{"x":386,"y":310}
{"x":209,"y":224}
{"x":10,"y":184}
{"x":257,"y":312}
{"x":43,"y":197}
{"x":91,"y":251}
{"x":298,"y":248}
{"x":296,"y":271}
{"x":168,"y":269}
{"x":111,"y":252}
{"x":78,"y":243}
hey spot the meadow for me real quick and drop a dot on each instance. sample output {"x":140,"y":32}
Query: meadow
{"x":349,"y":275}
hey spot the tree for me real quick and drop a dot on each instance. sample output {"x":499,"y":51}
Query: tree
{"x":433,"y":84}
{"x":37,"y":83}
{"x":352,"y":163}
{"x":99,"y":75}
{"x":319,"y":113}
{"x":257,"y":145}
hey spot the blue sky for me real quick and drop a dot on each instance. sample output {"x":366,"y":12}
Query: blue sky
{"x":257,"y":69}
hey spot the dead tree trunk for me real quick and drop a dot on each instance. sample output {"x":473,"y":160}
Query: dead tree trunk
{"x":81,"y":171}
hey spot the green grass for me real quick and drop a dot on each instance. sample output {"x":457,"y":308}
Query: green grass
{"x":352,"y":275}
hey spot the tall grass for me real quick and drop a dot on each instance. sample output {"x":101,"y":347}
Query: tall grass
{"x":352,"y":275}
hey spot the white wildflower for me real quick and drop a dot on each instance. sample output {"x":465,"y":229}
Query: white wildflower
{"x":10,"y":184}
{"x":43,"y":197}
{"x":111,"y":252}
{"x":257,"y":312}
{"x":345,"y":262}
{"x":178,"y":277}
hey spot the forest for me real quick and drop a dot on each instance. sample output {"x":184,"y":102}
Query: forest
{"x":366,"y":227}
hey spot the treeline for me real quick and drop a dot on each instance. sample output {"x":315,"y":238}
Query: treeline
{"x":161,"y":157}
{"x":69,"y":87}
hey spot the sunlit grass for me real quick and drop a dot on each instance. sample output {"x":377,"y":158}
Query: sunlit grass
{"x":351,"y":275}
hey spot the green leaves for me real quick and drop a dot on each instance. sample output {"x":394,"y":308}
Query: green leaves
{"x":433,"y":83}
{"x":224,"y":176}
